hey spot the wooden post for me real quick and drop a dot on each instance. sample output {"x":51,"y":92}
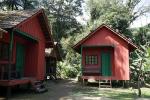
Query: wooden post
{"x":99,"y":82}
{"x":10,"y":61}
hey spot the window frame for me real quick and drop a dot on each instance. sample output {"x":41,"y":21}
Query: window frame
{"x":91,"y":59}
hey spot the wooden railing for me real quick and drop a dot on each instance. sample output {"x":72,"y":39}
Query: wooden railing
{"x":91,"y":70}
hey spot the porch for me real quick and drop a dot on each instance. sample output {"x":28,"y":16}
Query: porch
{"x":14,"y":56}
{"x":15,"y":76}
{"x":13,"y":82}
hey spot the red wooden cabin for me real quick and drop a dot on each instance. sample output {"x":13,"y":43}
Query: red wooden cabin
{"x":52,"y":56}
{"x":105,"y":54}
{"x":22,"y":47}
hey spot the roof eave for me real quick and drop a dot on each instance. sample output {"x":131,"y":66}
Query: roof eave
{"x":2,"y":30}
{"x":48,"y":27}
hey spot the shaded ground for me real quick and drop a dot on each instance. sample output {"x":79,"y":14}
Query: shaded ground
{"x":71,"y":90}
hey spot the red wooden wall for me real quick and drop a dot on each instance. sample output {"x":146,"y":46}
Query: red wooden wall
{"x":97,"y":51}
{"x":35,"y":52}
{"x":121,"y":52}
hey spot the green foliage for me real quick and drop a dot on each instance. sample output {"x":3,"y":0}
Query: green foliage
{"x":142,"y":35}
{"x":18,"y":4}
{"x":62,"y":14}
{"x":141,"y":38}
{"x":30,"y":4}
{"x":117,"y":13}
{"x":137,"y":57}
{"x":147,"y":63}
{"x":112,"y":12}
{"x":71,"y":65}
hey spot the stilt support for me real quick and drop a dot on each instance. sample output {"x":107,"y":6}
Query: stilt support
{"x":8,"y":93}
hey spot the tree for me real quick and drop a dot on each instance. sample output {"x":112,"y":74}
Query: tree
{"x":142,"y":35}
{"x":18,"y":4}
{"x":62,"y":14}
{"x":139,"y":65}
{"x":30,"y":4}
{"x":11,"y":4}
{"x":71,"y":65}
{"x":117,"y":13}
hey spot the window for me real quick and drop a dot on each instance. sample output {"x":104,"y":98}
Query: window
{"x":91,"y":59}
{"x":4,"y":51}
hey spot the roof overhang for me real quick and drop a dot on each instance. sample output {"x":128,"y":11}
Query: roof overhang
{"x":94,"y":46}
{"x":46,"y":28}
{"x":25,"y":35}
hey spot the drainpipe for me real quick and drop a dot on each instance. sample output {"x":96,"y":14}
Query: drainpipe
{"x":10,"y":62}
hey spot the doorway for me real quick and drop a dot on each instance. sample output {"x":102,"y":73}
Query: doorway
{"x":20,"y":59}
{"x":106,"y":64}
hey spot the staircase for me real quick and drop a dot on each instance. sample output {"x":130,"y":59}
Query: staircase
{"x":39,"y":87}
{"x":105,"y":84}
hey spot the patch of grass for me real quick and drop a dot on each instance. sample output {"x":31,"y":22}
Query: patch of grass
{"x":146,"y":92}
{"x":113,"y":93}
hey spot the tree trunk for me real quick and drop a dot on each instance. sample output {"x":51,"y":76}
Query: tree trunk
{"x":139,"y":79}
{"x":139,"y":88}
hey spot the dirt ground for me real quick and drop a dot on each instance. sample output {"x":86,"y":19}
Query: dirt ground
{"x":57,"y":90}
{"x":71,"y":90}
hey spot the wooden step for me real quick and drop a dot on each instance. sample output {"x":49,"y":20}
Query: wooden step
{"x":105,"y":83}
{"x":39,"y":87}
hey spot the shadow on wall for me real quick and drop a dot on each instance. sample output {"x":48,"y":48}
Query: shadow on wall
{"x":122,"y":70}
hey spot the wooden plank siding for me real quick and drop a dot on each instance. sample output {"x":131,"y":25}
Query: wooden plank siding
{"x":105,"y":40}
{"x":35,"y":58}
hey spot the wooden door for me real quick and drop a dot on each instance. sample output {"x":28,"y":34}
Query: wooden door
{"x":106,"y":64}
{"x":20,"y":57}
